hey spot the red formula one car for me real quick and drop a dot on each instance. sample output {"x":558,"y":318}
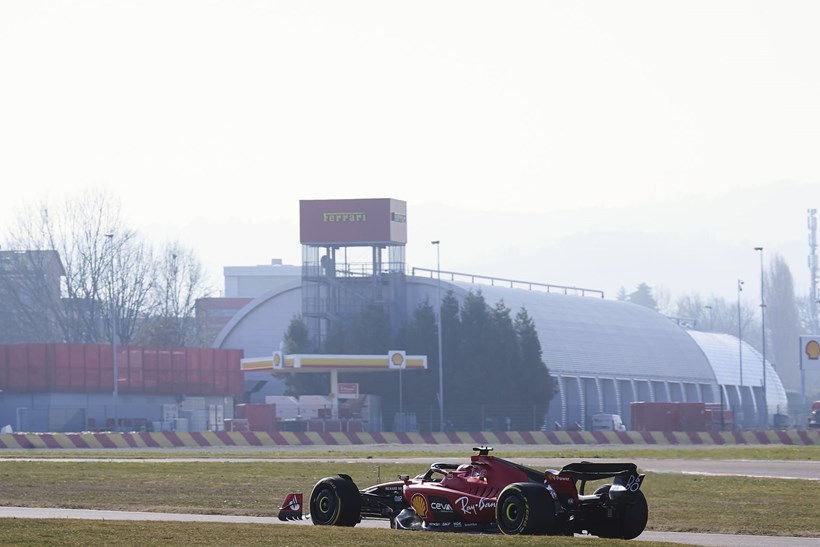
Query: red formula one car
{"x":488,"y":495}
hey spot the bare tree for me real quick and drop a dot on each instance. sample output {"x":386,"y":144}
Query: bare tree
{"x":101,"y":259}
{"x":179,"y":282}
{"x":720,"y":315}
{"x":76,"y":232}
{"x":130,"y":280}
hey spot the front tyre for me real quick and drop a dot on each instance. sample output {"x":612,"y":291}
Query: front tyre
{"x":525,"y":508}
{"x":335,"y":502}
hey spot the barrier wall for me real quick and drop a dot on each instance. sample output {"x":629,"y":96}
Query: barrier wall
{"x":273,"y":439}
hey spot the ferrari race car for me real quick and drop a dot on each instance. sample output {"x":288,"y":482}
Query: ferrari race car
{"x":488,"y":494}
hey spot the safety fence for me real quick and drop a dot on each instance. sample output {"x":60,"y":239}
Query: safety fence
{"x":168,"y":439}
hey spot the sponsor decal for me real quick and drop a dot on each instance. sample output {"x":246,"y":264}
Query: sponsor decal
{"x":557,"y":478}
{"x":473,"y":508}
{"x":344,"y":217}
{"x":633,"y":484}
{"x":419,"y":504}
{"x":440,"y":505}
{"x":293,"y":503}
{"x":398,"y":217}
{"x":398,"y":498}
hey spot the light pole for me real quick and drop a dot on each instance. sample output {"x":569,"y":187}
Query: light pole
{"x":711,"y":318}
{"x":110,"y":237}
{"x":440,"y":361}
{"x":763,"y":329}
{"x":740,"y":338}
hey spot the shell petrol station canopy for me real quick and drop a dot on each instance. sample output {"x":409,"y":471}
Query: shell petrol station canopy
{"x":300,"y":362}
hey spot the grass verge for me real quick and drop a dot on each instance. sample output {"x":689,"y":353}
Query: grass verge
{"x":685,"y":503}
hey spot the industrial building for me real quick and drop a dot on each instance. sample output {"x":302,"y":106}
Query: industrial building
{"x":605,"y":354}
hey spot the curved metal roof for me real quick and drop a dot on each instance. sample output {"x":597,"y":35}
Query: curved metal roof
{"x":580,"y":335}
{"x":587,"y":336}
{"x":722,"y":350}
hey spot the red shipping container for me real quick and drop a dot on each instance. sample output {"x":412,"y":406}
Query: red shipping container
{"x":177,"y":359}
{"x":76,"y":358}
{"x":150,"y":359}
{"x":150,"y":379}
{"x":192,"y":359}
{"x":92,"y":379}
{"x":663,"y":416}
{"x":135,"y":360}
{"x":261,"y":417}
{"x":37,"y":379}
{"x":239,"y":410}
{"x":193,"y":379}
{"x":4,"y":368}
{"x":207,"y":359}
{"x":62,"y":380}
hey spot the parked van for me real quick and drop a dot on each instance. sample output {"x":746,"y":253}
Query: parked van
{"x":607,"y":422}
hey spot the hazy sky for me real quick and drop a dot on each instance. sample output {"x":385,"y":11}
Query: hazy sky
{"x":597,"y":143}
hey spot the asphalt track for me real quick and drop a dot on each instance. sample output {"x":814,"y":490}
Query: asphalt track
{"x":797,"y":470}
{"x":774,"y":469}
{"x":713,"y":540}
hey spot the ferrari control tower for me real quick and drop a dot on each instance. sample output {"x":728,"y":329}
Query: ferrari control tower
{"x":353,"y":257}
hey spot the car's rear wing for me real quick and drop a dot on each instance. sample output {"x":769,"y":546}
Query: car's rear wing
{"x":592,"y":471}
{"x":626,"y":477}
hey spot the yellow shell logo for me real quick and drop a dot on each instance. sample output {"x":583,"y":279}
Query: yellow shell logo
{"x":813,"y":349}
{"x":419,"y":505}
{"x":397,"y":359}
{"x":277,"y":359}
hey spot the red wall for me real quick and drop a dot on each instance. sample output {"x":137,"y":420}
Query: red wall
{"x":87,"y":368}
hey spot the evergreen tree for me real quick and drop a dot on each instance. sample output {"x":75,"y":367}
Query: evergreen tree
{"x":643,"y":297}
{"x":494,"y":375}
{"x":297,"y":340}
{"x":782,"y":322}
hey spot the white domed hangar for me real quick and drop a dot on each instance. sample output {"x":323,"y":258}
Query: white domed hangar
{"x":605,"y":354}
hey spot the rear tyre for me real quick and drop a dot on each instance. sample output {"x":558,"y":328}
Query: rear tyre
{"x":635,"y":515}
{"x":525,"y":508}
{"x":335,"y":502}
{"x":630,"y":517}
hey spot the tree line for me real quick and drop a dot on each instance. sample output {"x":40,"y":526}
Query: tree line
{"x":787,"y":316}
{"x":109,"y":272}
{"x":493,"y":369}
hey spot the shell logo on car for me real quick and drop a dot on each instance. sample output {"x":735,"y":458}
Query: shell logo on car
{"x":419,"y":505}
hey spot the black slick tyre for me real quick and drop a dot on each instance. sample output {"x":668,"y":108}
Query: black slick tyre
{"x":335,"y":502}
{"x":630,"y":517}
{"x":525,"y":509}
